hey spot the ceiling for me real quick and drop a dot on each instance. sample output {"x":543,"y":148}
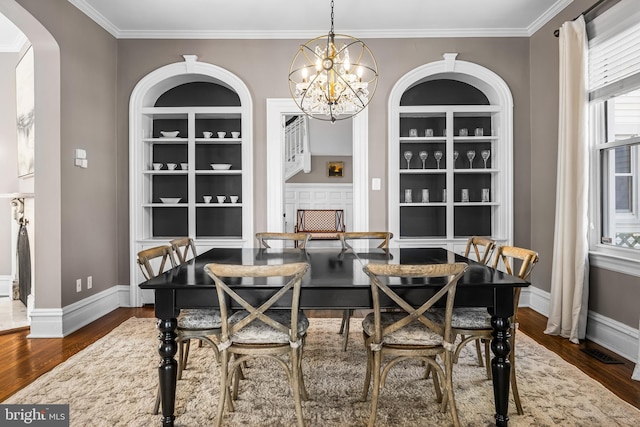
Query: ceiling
{"x":304,"y":19}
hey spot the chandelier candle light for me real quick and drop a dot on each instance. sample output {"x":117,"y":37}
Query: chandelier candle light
{"x":333,"y":77}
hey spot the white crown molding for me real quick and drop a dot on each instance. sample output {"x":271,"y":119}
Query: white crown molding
{"x":96,"y":16}
{"x":118,"y":33}
{"x":292,"y":35}
{"x":547,"y":16}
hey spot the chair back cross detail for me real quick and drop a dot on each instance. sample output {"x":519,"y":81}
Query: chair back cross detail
{"x":294,"y":270}
{"x":164,"y":253}
{"x":482,"y":248}
{"x":375,"y":271}
{"x":182,"y":247}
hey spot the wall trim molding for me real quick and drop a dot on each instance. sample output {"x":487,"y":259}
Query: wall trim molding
{"x":6,"y":282}
{"x":60,"y":322}
{"x":609,"y":333}
{"x":613,"y":335}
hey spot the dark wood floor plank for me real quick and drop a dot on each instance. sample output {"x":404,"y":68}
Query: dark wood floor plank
{"x":25,"y":359}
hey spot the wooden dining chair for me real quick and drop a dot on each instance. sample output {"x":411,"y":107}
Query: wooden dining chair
{"x":475,"y":323}
{"x":409,"y":333}
{"x":198,"y":323}
{"x":383,"y":237}
{"x":482,"y":248}
{"x":299,"y":240}
{"x":156,"y":260}
{"x":257,"y":331}
{"x":184,"y":248}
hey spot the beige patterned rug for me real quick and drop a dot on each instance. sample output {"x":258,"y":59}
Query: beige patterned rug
{"x":113,"y":383}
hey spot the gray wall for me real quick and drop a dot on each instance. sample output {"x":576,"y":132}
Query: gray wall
{"x":508,"y":57}
{"x":605,"y":286}
{"x":319,"y":173}
{"x":88,"y":61}
{"x":95,"y":97}
{"x":8,"y":154}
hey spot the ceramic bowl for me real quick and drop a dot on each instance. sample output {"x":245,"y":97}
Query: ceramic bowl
{"x":157,"y":166}
{"x":220,"y":166}
{"x":169,"y":133}
{"x":235,"y":134}
{"x":170,"y":200}
{"x":221,"y":134}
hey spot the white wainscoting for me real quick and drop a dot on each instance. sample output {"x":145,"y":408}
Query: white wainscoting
{"x":317,"y":196}
{"x":6,"y":283}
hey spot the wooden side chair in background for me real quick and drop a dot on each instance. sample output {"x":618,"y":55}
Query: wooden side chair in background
{"x":475,"y":323}
{"x":299,"y":240}
{"x":383,"y":237}
{"x":322,"y":224}
{"x":392,"y":337}
{"x":257,"y":331}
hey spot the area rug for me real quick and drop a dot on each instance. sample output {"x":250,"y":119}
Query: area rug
{"x":113,"y":383}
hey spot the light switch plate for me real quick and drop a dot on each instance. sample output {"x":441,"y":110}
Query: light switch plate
{"x":375,"y":183}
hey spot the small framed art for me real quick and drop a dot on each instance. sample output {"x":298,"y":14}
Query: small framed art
{"x":335,"y":169}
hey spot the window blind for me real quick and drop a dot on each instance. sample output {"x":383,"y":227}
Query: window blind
{"x":614,"y":51}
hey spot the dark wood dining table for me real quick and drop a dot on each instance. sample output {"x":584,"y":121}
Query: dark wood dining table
{"x":334,"y":281}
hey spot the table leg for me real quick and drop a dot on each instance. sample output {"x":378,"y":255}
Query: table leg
{"x":501,"y":368}
{"x":168,"y":368}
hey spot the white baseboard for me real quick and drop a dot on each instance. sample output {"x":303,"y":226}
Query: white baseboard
{"x":6,"y":282}
{"x":57,"y":323}
{"x":536,"y":299}
{"x":602,"y":330}
{"x":613,"y":335}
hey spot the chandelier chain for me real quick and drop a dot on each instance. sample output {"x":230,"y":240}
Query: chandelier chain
{"x":331,"y":17}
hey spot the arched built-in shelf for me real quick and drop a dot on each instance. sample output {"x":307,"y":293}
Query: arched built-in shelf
{"x":447,"y":109}
{"x":192,"y":98}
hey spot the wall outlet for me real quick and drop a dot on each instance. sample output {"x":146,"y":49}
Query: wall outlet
{"x":89,"y":282}
{"x":78,"y":285}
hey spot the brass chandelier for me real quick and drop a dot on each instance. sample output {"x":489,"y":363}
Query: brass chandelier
{"x":330,"y":82}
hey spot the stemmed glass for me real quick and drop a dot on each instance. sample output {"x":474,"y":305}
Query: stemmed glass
{"x":485,"y":156}
{"x":408,"y":155}
{"x":437,"y":155}
{"x":471,"y":154}
{"x":455,"y":157}
{"x":423,"y":157}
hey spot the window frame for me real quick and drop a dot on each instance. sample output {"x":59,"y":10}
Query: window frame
{"x":610,"y":257}
{"x":602,"y":29}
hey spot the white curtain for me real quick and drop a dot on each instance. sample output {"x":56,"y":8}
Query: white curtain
{"x":570,"y":267}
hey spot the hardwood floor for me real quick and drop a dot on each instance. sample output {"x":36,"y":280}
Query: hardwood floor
{"x":26,"y":359}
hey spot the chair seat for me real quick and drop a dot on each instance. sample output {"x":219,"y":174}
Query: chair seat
{"x":415,"y":333}
{"x":464,"y":317}
{"x":258,"y":332}
{"x":199,"y":318}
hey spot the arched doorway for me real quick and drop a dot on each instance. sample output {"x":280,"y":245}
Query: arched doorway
{"x":46,"y":317}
